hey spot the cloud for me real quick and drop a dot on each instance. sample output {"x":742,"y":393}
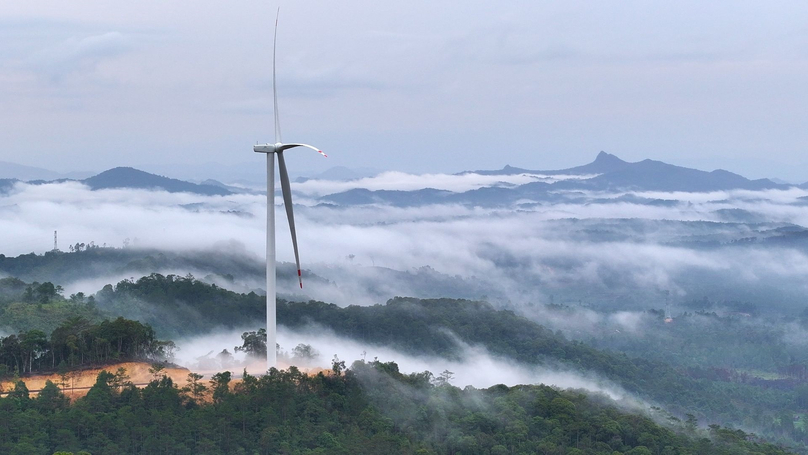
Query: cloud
{"x":401,"y":181}
{"x":619,"y":254}
{"x":80,"y":54}
{"x":476,"y":367}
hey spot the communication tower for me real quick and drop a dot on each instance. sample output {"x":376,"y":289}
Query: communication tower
{"x":668,"y":315}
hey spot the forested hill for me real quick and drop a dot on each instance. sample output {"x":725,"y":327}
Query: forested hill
{"x":87,"y":260}
{"x":370,"y":408}
{"x":432,"y":328}
{"x":127,"y":177}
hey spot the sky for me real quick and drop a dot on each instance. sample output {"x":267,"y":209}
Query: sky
{"x":410,"y":86}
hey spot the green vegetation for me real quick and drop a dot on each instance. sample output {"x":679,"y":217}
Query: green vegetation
{"x":40,"y":306}
{"x":738,"y":341}
{"x":91,"y":261}
{"x":185,"y":306}
{"x":430,"y":326}
{"x":76,"y":343}
{"x":177,"y":306}
{"x":370,"y":408}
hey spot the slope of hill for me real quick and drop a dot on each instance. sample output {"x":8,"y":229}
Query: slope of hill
{"x":650,"y":175}
{"x":79,"y":381}
{"x":90,"y":262}
{"x":439,"y":328}
{"x":127,"y":177}
{"x":370,"y":408}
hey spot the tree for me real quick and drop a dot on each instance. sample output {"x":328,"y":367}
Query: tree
{"x":692,"y":423}
{"x":444,"y":378}
{"x":220,"y":383}
{"x":121,"y":379}
{"x":254,"y":344}
{"x":337,"y":365}
{"x":33,"y":344}
{"x":304,"y":354}
{"x":65,"y":375}
{"x":19,"y":393}
{"x":50,"y":398}
{"x":225,"y":358}
{"x":157,"y":371}
{"x":194,"y":387}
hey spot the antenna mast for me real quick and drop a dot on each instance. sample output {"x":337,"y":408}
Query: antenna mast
{"x":55,"y":247}
{"x":668,"y":315}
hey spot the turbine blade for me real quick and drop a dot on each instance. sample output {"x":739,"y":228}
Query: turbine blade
{"x":293,"y":145}
{"x":274,"y":86}
{"x":286,"y":189}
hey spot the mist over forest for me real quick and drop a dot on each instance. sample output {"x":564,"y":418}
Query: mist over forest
{"x":609,"y":249}
{"x":678,"y":305}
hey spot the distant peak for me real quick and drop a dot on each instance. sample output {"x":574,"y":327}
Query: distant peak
{"x":122,"y":169}
{"x":604,"y":157}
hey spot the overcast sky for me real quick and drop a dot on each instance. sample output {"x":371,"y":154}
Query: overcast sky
{"x":415,"y":86}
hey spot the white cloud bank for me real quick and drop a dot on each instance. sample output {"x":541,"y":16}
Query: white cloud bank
{"x":477,"y":367}
{"x":523,"y":254}
{"x":401,"y":181}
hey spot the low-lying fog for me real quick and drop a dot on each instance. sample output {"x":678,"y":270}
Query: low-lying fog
{"x":478,"y":368}
{"x":603,"y":251}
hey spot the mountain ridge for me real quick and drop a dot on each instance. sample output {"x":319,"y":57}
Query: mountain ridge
{"x":128,"y":177}
{"x":606,"y":173}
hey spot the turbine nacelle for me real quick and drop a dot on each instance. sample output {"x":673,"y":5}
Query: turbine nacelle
{"x":267,"y":148}
{"x":278,"y":148}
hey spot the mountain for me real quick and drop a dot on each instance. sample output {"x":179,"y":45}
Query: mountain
{"x":612,"y":173}
{"x":21,"y":172}
{"x":650,"y":175}
{"x":127,"y":177}
{"x":604,"y":162}
{"x":606,"y":173}
{"x":230,"y":188}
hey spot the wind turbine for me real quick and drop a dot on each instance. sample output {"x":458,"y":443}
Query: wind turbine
{"x":271,"y":150}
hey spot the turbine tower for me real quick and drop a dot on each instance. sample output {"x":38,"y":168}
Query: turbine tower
{"x":271,"y":150}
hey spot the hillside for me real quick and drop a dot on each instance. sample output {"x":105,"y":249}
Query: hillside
{"x":438,"y":328}
{"x":127,"y":177}
{"x":425,"y":328}
{"x":370,"y":408}
{"x":76,"y":383}
{"x":91,"y":261}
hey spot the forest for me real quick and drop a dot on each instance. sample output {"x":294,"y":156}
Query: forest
{"x":368,"y":408}
{"x":716,"y":394}
{"x":77,"y":343}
